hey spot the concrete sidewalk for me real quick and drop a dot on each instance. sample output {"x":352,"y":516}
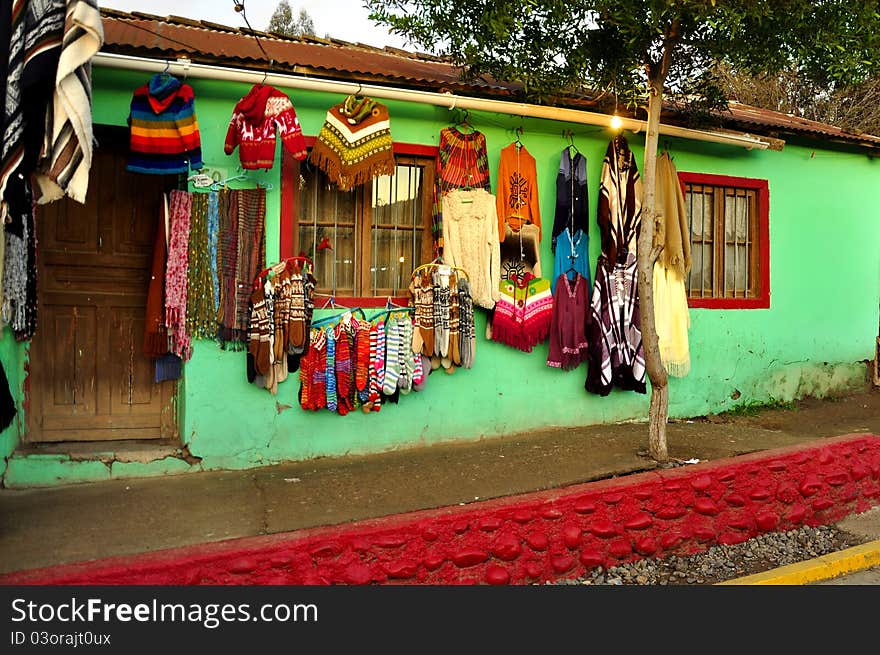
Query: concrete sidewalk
{"x":44,"y":527}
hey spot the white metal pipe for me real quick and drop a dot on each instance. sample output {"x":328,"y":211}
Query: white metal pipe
{"x":204,"y":71}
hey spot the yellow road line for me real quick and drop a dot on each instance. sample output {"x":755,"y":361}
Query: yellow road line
{"x":824,"y":567}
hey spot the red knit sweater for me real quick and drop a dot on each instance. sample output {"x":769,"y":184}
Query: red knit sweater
{"x":252,"y":128}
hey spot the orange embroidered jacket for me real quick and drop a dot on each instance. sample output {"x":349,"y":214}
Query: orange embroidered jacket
{"x":517,"y":196}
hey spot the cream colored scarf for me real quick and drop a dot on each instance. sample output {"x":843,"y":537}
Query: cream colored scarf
{"x":671,"y":315}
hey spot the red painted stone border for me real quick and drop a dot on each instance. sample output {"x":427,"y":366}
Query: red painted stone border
{"x":533,"y":537}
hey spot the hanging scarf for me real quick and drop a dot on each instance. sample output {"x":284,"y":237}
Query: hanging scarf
{"x":201,"y":318}
{"x":227,"y":256}
{"x":671,"y":315}
{"x":155,"y":332}
{"x":242,"y":255}
{"x":213,"y":229}
{"x":20,"y":268}
{"x":176,"y":274}
{"x":67,"y":150}
{"x":355,"y":145}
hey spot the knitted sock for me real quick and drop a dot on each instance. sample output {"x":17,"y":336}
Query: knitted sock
{"x":271,"y":381}
{"x":422,"y":292}
{"x":374,"y":402}
{"x":392,"y":357}
{"x":437,"y":314}
{"x":330,"y":372}
{"x":343,"y":371}
{"x":258,"y":332}
{"x":296,"y":326}
{"x":454,"y":320}
{"x":318,"y":392}
{"x":362,"y":376}
{"x":441,"y":328}
{"x":380,"y":354}
{"x":281,"y":315}
{"x":419,"y":375}
{"x":467,"y":330}
{"x":404,"y":332}
{"x":306,"y":368}
{"x":281,"y":371}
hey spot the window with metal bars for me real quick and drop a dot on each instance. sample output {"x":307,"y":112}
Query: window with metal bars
{"x":367,"y":241}
{"x":728,"y":221}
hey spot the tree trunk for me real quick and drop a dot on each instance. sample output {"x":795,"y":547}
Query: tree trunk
{"x":647,"y":255}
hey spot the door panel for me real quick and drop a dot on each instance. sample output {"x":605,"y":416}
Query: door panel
{"x":88,"y":377}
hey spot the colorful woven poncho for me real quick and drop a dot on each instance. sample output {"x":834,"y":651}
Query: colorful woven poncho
{"x":354,"y":145}
{"x":523,"y":313}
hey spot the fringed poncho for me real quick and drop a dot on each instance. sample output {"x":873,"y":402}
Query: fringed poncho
{"x":523,"y":312}
{"x":355,"y":144}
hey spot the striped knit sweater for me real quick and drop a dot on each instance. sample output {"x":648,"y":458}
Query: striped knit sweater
{"x":164,"y":130}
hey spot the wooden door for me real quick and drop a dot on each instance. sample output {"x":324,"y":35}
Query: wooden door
{"x":88,"y":377}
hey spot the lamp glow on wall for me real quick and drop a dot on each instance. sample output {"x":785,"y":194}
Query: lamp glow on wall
{"x":616,"y":122}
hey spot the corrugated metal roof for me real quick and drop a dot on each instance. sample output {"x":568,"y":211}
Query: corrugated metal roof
{"x":138,"y":33}
{"x":748,"y":115}
{"x":142,"y":34}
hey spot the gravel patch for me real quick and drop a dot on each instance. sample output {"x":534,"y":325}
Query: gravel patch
{"x":720,"y":563}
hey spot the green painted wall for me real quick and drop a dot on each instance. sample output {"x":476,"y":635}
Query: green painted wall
{"x":825,"y":285}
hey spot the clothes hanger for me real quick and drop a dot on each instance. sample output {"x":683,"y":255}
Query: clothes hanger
{"x":464,"y":123}
{"x":518,"y":143}
{"x":571,"y":145}
{"x":438,"y":262}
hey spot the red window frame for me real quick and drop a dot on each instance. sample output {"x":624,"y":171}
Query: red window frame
{"x":762,"y":187}
{"x":285,"y":238}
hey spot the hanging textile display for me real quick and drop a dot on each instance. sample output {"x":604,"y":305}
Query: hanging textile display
{"x":568,"y":326}
{"x":176,"y":275}
{"x":355,"y":144}
{"x":201,"y":317}
{"x":470,"y":235}
{"x":462,"y":163}
{"x":570,"y":241}
{"x":524,"y":311}
{"x":616,"y":354}
{"x":67,"y":149}
{"x":671,"y":315}
{"x":164,"y":128}
{"x":253,"y":124}
{"x":357,"y":362}
{"x":241,"y":255}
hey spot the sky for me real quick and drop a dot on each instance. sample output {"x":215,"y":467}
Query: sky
{"x":341,"y":19}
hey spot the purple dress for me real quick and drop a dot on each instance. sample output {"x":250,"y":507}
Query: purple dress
{"x":568,"y":327}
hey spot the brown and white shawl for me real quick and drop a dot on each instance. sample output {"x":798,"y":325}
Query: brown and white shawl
{"x":67,"y":149}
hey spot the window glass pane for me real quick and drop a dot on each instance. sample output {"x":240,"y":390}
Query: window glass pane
{"x":694,"y":284}
{"x":397,"y":206}
{"x":327,"y":231}
{"x":742,"y":270}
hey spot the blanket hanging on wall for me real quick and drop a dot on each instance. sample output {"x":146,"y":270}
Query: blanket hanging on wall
{"x":354,"y":144}
{"x":201,"y":318}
